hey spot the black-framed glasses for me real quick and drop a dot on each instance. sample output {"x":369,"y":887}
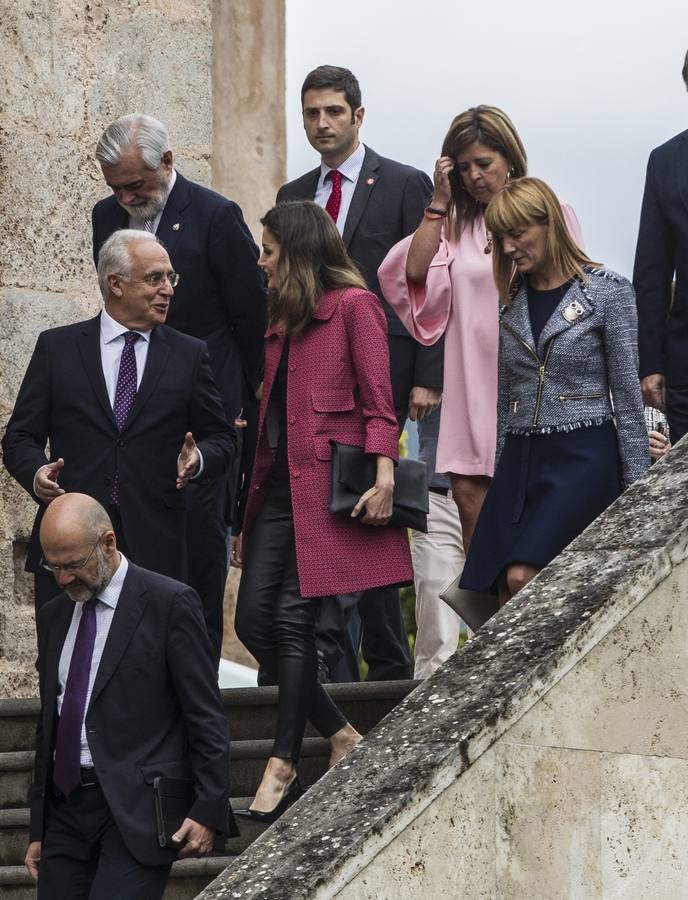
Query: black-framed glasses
{"x":155,"y":279}
{"x":71,"y":566}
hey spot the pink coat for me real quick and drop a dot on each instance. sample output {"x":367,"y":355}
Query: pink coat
{"x":338,"y":387}
{"x":458,"y":300}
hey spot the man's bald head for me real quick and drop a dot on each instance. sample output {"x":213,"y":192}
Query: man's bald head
{"x":79,"y":544}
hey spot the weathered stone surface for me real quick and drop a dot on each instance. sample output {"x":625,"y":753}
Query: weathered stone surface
{"x":248,"y":104}
{"x":605,"y":603}
{"x":644,"y":827}
{"x":623,"y":696}
{"x":451,"y":842}
{"x":548,"y":823}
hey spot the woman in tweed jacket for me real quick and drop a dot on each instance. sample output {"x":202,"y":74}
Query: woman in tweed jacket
{"x":570,"y":427}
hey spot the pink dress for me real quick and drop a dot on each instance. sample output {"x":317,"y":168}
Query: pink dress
{"x":458,"y":300}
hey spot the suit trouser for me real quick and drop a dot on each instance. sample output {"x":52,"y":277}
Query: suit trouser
{"x":83,"y":854}
{"x":438,"y":557}
{"x":277,"y":625}
{"x":677,"y":411}
{"x":206,"y":543}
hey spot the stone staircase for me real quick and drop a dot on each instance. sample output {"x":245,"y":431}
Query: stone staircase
{"x":251,"y":713}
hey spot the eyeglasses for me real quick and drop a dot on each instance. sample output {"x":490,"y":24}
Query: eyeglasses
{"x":155,"y":279}
{"x":71,"y":566}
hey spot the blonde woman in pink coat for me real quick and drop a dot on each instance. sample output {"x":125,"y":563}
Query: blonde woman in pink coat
{"x":439,"y":281}
{"x":326,"y":378}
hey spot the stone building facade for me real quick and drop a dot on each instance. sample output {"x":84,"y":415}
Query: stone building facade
{"x":213,"y":71}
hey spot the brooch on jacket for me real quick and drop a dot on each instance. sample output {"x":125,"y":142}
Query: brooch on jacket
{"x":573,"y":311}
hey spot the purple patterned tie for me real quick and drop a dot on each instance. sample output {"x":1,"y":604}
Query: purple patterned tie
{"x":124,"y":395}
{"x":68,"y":741}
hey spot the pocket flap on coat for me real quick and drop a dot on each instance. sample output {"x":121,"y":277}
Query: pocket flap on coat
{"x":333,"y":401}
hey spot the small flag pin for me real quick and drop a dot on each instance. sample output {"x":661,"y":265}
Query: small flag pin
{"x":176,"y":226}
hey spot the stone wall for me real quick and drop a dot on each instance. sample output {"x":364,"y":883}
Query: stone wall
{"x":68,"y":68}
{"x":548,"y":758}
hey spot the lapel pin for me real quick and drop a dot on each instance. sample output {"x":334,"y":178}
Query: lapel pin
{"x":176,"y":226}
{"x":370,"y":181}
{"x":573,"y":311}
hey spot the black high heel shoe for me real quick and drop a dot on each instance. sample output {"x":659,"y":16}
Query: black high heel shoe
{"x":291,"y":795}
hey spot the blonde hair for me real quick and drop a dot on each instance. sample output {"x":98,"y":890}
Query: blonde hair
{"x":312,"y":260}
{"x":486,"y":125}
{"x":525,"y":202}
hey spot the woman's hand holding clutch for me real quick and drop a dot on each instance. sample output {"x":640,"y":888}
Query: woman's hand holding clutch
{"x":377,"y":503}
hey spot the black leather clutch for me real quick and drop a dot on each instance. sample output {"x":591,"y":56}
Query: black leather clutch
{"x":354,"y":472}
{"x":174,"y":797}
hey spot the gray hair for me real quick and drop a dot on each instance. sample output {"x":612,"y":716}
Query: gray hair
{"x":114,"y":257}
{"x":145,"y":133}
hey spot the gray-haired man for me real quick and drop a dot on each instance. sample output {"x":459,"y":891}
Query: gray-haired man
{"x":130,"y":409}
{"x":220,"y":299}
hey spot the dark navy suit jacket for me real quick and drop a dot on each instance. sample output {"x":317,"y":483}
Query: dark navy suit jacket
{"x":63,"y":399}
{"x":387,"y":205}
{"x":155,"y":709}
{"x":661,"y":255}
{"x":220,"y":296}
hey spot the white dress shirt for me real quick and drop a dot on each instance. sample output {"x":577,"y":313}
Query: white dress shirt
{"x":141,"y":223}
{"x":111,"y":346}
{"x":105,"y":610}
{"x":350,"y":169}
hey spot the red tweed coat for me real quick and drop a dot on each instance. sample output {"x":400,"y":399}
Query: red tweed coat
{"x":338,"y":387}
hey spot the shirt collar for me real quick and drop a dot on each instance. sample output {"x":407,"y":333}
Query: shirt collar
{"x":350,"y":168}
{"x":110,"y":594}
{"x":111,"y":329}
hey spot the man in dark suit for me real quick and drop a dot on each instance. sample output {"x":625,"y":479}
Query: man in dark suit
{"x":662,"y":255}
{"x":128,"y":693}
{"x":220,"y":299}
{"x":375,"y":202}
{"x":122,"y":399}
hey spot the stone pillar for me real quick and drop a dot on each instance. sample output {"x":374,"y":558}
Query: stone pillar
{"x":249,"y":126}
{"x":69,"y":67}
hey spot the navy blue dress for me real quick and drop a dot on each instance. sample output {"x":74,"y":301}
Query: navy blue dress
{"x":546,"y":490}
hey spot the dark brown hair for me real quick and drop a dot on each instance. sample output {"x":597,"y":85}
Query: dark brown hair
{"x":312,"y":260}
{"x":486,"y":125}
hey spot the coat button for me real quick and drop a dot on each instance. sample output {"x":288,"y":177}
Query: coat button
{"x":292,"y":367}
{"x":292,"y":420}
{"x":295,"y":473}
{"x":256,"y":487}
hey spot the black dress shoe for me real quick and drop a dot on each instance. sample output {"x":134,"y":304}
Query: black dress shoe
{"x":291,"y":795}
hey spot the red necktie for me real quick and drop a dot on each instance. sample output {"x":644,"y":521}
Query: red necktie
{"x":334,"y":201}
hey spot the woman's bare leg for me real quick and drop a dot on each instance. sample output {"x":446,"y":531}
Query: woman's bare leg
{"x":469,"y":493}
{"x":278,"y":775}
{"x":518,"y":575}
{"x":341,"y":742}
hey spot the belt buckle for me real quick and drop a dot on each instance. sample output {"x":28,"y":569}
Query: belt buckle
{"x":87,"y":773}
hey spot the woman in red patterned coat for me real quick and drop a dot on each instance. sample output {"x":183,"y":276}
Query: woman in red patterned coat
{"x":326,"y":377}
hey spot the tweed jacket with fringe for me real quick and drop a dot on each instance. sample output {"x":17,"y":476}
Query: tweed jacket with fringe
{"x":582,"y":371}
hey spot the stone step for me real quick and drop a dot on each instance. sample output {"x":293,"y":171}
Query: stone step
{"x":14,"y":834}
{"x":248,"y":760}
{"x":250,"y":711}
{"x":187,"y":879}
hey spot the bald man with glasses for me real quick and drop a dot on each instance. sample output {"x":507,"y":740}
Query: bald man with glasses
{"x":130,"y":410}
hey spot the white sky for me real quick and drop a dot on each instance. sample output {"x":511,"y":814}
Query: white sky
{"x":591,"y":88}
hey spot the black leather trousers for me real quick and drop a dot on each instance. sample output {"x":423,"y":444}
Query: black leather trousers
{"x":277,"y":625}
